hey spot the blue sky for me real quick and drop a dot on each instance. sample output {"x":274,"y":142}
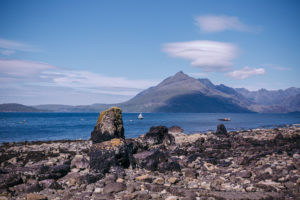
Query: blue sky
{"x":84,"y":52}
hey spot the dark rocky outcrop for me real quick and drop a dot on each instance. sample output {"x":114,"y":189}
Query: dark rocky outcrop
{"x":158,"y":135}
{"x":156,"y":160}
{"x":111,"y":153}
{"x":221,"y":130}
{"x":109,"y":125}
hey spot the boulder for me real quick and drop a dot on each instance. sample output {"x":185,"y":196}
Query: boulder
{"x":156,"y":160}
{"x":158,"y":135}
{"x":221,"y":130}
{"x":109,"y":125}
{"x":110,"y":153}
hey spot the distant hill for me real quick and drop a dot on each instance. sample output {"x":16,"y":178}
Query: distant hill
{"x":14,"y":107}
{"x":279,"y":101}
{"x":182,"y":93}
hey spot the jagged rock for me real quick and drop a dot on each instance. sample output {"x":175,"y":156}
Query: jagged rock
{"x":108,"y":154}
{"x":53,"y":172}
{"x":158,"y":135}
{"x":221,"y":130}
{"x":156,"y":160}
{"x":109,"y":125}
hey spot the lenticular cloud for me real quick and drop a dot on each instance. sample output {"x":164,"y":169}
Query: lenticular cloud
{"x":205,"y":54}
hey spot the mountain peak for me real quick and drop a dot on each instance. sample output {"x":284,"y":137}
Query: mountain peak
{"x":180,"y":74}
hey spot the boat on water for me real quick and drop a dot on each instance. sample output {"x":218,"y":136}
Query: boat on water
{"x":140,"y":116}
{"x":225,"y":119}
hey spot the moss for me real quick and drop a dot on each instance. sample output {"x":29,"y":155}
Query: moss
{"x":117,"y":111}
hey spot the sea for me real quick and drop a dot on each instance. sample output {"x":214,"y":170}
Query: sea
{"x":18,"y":127}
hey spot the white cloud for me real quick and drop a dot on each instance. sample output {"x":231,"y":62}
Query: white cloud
{"x":22,"y":68}
{"x":205,"y":54}
{"x":246,"y":72}
{"x":214,"y":23}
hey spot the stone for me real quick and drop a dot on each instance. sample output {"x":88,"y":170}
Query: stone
{"x":172,"y":180}
{"x":46,"y":183}
{"x":109,"y":154}
{"x":158,"y":135}
{"x":109,"y":125}
{"x":221,"y":130}
{"x":144,"y":178}
{"x":34,"y":196}
{"x":244,"y":174}
{"x":120,"y":180}
{"x":114,"y":187}
{"x":172,"y":198}
{"x":79,"y":162}
{"x":191,"y":173}
{"x":159,"y":181}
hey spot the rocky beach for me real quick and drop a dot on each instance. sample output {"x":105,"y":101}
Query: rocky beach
{"x":164,"y":163}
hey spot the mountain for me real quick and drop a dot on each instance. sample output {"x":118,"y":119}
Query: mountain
{"x":263,"y":100}
{"x":181,"y":93}
{"x":14,"y":107}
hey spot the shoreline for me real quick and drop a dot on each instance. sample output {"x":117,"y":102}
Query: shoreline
{"x":252,"y":164}
{"x":187,"y":133}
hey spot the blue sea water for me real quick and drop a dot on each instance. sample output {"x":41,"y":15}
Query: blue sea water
{"x":16,"y":127}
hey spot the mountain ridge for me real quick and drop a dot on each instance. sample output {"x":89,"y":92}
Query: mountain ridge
{"x":182,"y":93}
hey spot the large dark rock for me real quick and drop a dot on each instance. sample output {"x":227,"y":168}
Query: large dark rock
{"x":221,"y":130}
{"x":156,"y":160}
{"x":108,"y":154}
{"x":109,"y":125}
{"x":158,"y":135}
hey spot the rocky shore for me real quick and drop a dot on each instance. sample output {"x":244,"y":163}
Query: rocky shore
{"x":164,"y":163}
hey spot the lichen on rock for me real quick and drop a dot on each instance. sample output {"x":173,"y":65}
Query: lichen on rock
{"x":109,"y":125}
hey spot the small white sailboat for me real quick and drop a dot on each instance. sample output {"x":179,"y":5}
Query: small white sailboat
{"x":140,"y":116}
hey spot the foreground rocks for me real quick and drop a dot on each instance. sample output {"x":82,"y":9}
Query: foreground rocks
{"x":253,"y":164}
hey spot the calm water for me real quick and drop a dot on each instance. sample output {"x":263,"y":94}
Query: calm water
{"x":54,"y":126}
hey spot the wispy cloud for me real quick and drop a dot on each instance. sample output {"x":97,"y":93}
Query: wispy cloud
{"x":276,"y":67}
{"x":22,"y":68}
{"x":205,"y":54}
{"x":217,"y":23}
{"x":88,"y":81}
{"x":35,"y":74}
{"x":246,"y":72}
{"x":9,"y":47}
